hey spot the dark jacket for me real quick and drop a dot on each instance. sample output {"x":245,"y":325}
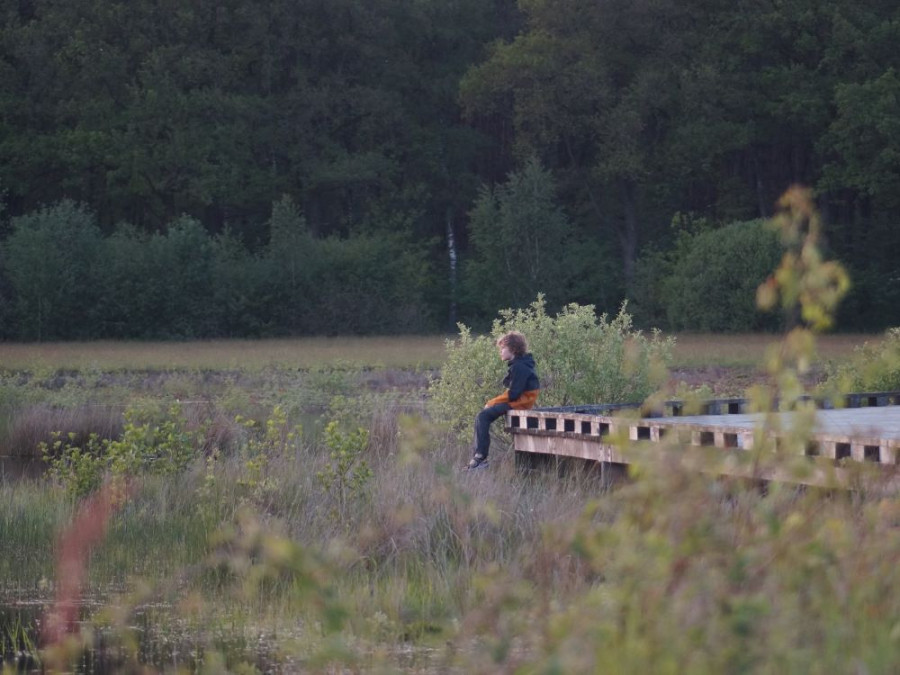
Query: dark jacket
{"x":521,"y":378}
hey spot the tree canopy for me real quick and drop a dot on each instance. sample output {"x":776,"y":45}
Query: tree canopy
{"x":397,"y":140}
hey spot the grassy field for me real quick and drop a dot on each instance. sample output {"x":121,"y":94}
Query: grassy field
{"x":746,"y":350}
{"x":249,"y":545}
{"x":406,"y":352}
{"x":248,"y":355}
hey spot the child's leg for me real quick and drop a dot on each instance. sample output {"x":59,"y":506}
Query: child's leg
{"x":483,"y":421}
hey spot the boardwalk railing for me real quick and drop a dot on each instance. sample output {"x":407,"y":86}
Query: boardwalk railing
{"x":866,"y":428}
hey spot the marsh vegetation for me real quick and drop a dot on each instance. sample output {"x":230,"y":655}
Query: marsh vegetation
{"x":270,"y":548}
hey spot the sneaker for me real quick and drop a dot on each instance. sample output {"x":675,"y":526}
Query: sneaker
{"x":477,"y":462}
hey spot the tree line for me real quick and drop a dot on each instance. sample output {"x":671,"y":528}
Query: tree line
{"x":293,"y":167}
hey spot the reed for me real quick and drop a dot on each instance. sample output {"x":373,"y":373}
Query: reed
{"x":435,"y":569}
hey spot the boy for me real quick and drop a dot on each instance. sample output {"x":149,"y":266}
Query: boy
{"x":522,"y":388}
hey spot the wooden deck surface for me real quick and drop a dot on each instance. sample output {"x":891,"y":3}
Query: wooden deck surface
{"x":869,"y":434}
{"x":883,"y":423}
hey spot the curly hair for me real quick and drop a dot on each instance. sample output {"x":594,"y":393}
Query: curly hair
{"x":515,"y":341}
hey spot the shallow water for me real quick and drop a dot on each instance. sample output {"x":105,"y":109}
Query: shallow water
{"x":167,"y":645}
{"x":19,"y":623}
{"x":18,"y":468}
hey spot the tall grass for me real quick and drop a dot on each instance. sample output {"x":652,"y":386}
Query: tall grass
{"x":404,"y":567}
{"x":246,"y":560}
{"x":36,"y":406}
{"x":439,"y":570}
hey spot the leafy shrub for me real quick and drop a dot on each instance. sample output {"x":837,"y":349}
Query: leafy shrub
{"x":60,"y":279}
{"x":362,"y":283}
{"x":872,"y":301}
{"x":182,"y":260}
{"x":240,"y":278}
{"x":49,"y":257}
{"x":127,"y":305}
{"x":580,"y":359}
{"x":265,"y":443}
{"x":7,"y":305}
{"x":347,"y":475}
{"x":156,"y":286}
{"x":146,"y":447}
{"x":708,"y":281}
{"x":873,"y":367}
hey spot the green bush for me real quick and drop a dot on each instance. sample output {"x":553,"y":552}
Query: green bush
{"x":242,"y":305}
{"x":146,"y":447}
{"x":362,"y":283}
{"x":290,"y":263}
{"x":126,"y":305}
{"x":581,"y":359}
{"x":873,"y":367}
{"x":708,"y":281}
{"x":873,"y":299}
{"x":183,"y":259}
{"x":7,"y":304}
{"x":347,"y":475}
{"x":49,"y":257}
{"x":60,"y":279}
{"x":156,"y":286}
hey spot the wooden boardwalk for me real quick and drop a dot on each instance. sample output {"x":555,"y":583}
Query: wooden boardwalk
{"x":867,"y":431}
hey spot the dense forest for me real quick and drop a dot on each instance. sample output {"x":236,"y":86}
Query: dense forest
{"x":286,"y":167}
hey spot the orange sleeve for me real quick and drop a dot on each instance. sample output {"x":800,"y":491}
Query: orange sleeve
{"x":502,"y":398}
{"x":525,"y":402}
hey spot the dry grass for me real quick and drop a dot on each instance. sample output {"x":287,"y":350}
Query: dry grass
{"x":497,"y":571}
{"x":246,"y":355}
{"x":37,"y":424}
{"x":692,"y":349}
{"x":747,"y":350}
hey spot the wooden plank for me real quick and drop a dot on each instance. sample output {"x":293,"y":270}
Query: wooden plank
{"x":869,"y":433}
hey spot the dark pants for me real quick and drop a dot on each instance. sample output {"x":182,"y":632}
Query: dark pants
{"x":483,"y":421}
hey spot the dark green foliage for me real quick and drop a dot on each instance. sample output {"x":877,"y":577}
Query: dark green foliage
{"x":242,"y":290}
{"x":865,"y":136}
{"x":70,"y":282}
{"x":367,"y":284}
{"x":874,"y":296}
{"x":363,"y":283}
{"x":521,"y":244}
{"x":644,"y":110}
{"x":182,"y":269}
{"x":209,"y":113}
{"x":7,"y":309}
{"x":708,"y":281}
{"x":49,"y":258}
{"x":156,"y":286}
{"x":147,"y":111}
